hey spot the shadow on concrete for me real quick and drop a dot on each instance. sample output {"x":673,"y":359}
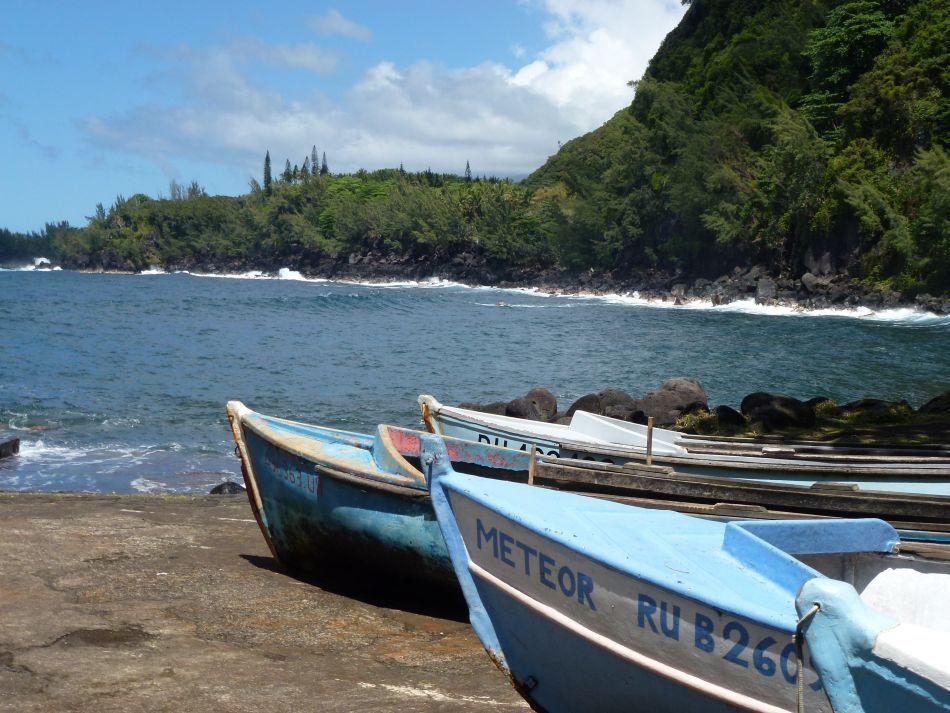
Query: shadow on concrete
{"x":379,"y":589}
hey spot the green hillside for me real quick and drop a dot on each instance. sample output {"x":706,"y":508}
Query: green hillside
{"x":764,"y":131}
{"x":787,"y":134}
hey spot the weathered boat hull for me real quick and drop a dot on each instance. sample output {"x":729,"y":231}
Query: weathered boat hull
{"x":591,"y":606}
{"x":326,"y":497}
{"x":314,"y":519}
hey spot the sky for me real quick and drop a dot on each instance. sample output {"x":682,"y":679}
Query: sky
{"x":105,"y":98}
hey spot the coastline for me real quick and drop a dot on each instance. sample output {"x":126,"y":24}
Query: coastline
{"x":753,"y":291}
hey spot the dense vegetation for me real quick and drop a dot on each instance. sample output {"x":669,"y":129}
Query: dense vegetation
{"x":764,"y":131}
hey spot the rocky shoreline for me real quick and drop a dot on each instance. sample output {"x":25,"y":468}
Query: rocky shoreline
{"x":820,"y":289}
{"x":681,"y":403}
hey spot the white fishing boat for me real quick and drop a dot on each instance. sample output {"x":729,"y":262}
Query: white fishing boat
{"x":600,"y":438}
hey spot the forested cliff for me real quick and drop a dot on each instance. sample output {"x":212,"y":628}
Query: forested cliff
{"x":803,"y":136}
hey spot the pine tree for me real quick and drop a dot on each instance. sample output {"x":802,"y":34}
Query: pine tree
{"x":305,"y":169}
{"x":468,"y":173}
{"x":314,"y":161}
{"x":296,"y":174}
{"x":288,"y":174}
{"x":324,"y":171}
{"x":267,"y":177}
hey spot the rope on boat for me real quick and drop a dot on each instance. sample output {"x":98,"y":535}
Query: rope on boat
{"x":799,"y":639}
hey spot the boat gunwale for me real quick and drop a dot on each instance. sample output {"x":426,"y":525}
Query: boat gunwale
{"x":335,"y":470}
{"x":236,"y":411}
{"x":718,"y":481}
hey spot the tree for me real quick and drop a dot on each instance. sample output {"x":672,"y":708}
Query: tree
{"x":314,"y":160}
{"x":267,"y":176}
{"x":468,"y":173}
{"x":305,"y":169}
{"x":288,"y":174}
{"x":324,"y":171}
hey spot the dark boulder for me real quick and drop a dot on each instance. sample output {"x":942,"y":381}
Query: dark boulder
{"x":826,"y":405}
{"x":543,"y":401}
{"x":9,"y":446}
{"x":615,"y":397}
{"x":498,"y":408}
{"x":618,"y":411}
{"x":228,"y":487}
{"x":874,"y":407}
{"x":728,"y":416}
{"x":765,"y":290}
{"x":588,"y":402}
{"x":674,"y":398}
{"x":938,"y":404}
{"x":522,"y":408}
{"x":774,"y":411}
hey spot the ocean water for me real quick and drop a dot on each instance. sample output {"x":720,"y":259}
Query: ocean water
{"x":118,"y":382}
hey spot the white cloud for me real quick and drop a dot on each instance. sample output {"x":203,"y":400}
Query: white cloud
{"x":303,"y":55}
{"x":333,"y":23}
{"x":504,"y":119}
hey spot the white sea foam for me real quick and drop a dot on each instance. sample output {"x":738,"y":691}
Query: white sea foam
{"x":899,"y":315}
{"x":907,"y":315}
{"x":144,"y":485}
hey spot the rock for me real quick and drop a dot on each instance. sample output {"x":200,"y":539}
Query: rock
{"x":544,"y":402}
{"x":615,"y":397}
{"x":830,"y":410}
{"x":618,"y":411}
{"x":563,"y":421}
{"x":638,"y":416}
{"x":228,"y":487}
{"x":588,"y":402}
{"x":9,"y":446}
{"x":821,"y":265}
{"x":497,"y":408}
{"x":938,"y":404}
{"x":873,"y":407}
{"x":813,"y":283}
{"x":772,"y":411}
{"x":728,"y":416}
{"x":674,"y":398}
{"x":765,"y":290}
{"x":522,"y":408}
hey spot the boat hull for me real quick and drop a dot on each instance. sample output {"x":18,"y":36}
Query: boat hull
{"x":929,"y":480}
{"x":611,"y":642}
{"x":313,"y":518}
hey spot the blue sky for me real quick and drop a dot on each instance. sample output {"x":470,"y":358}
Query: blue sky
{"x":101,"y":98}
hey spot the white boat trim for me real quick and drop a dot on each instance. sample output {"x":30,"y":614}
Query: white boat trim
{"x":687,"y":680}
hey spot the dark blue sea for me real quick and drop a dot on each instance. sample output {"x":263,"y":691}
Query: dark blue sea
{"x":118,"y":382}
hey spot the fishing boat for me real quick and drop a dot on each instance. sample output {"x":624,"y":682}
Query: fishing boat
{"x":591,"y":605}
{"x":600,"y":438}
{"x":322,"y":495}
{"x":922,"y":519}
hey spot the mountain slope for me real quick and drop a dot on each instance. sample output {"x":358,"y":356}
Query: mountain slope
{"x":776,"y":132}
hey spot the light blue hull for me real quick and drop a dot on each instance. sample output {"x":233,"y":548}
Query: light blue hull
{"x":590,"y":605}
{"x":315,"y":519}
{"x":569,"y":673}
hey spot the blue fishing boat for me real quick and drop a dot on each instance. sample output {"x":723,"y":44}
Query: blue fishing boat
{"x":590,"y":605}
{"x":322,"y":495}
